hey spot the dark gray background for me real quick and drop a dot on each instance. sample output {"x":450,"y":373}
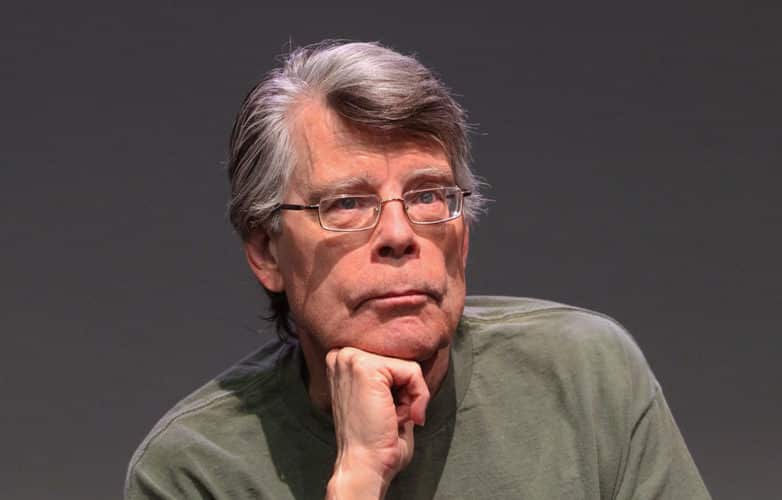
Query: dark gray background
{"x":633,"y":154}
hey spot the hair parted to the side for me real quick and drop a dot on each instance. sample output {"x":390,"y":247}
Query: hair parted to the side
{"x":367,"y":85}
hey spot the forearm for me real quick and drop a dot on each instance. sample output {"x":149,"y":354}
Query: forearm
{"x":354,"y":483}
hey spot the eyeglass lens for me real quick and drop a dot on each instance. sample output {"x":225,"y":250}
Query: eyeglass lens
{"x":355,"y":212}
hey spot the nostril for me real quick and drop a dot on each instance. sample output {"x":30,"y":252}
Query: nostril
{"x":388,"y":251}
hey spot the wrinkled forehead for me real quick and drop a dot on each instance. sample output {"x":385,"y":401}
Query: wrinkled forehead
{"x":329,"y":150}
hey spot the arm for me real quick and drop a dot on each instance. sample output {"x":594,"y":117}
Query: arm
{"x":376,"y":401}
{"x":152,"y":479}
{"x":658,"y":464}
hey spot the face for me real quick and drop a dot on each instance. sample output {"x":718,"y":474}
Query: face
{"x":395,"y":290}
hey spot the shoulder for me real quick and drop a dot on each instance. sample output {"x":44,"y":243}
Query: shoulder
{"x":207,"y":423}
{"x":558,"y":341}
{"x":537,"y":320}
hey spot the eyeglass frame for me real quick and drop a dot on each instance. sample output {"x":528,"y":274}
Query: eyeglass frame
{"x":381,"y":203}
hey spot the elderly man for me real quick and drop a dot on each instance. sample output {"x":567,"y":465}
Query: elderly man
{"x":353,"y":195}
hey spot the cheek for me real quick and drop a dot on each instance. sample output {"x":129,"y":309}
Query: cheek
{"x":319,"y":273}
{"x":296,"y":268}
{"x":454,"y":254}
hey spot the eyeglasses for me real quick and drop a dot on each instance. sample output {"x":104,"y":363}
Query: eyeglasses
{"x":359,"y":212}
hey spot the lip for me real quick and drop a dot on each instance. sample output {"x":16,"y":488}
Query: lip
{"x":402,"y":298}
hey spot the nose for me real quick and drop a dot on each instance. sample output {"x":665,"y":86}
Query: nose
{"x":394,"y":237}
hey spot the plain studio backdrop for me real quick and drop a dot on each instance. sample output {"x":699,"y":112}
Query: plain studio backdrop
{"x":633,"y":155}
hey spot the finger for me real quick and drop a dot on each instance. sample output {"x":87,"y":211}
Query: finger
{"x":411,"y":389}
{"x":331,"y":360}
{"x":406,"y":435}
{"x":402,"y":413}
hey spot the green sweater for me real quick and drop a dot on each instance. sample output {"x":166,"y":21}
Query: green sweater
{"x":541,"y":400}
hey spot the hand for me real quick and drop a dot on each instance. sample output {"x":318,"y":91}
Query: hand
{"x":375,"y":402}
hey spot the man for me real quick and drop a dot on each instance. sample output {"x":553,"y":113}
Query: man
{"x":352,"y":193}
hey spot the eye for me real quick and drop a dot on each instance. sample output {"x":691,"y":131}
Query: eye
{"x":346,"y":203}
{"x":426,"y":197}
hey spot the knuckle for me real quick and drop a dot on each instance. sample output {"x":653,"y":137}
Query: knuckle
{"x":331,"y":358}
{"x":346,"y":355}
{"x":361,"y":362}
{"x":417,"y":371}
{"x":345,"y":359}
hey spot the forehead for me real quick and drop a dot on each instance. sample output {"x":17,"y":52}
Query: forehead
{"x":329,"y":150}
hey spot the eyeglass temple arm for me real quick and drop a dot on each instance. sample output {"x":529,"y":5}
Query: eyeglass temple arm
{"x":289,"y":206}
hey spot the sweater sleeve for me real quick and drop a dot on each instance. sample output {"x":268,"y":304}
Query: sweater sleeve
{"x":159,"y":474}
{"x":657,"y":462}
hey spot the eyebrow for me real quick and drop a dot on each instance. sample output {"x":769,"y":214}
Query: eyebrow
{"x":363,"y":183}
{"x":431,"y":174}
{"x":348,"y":185}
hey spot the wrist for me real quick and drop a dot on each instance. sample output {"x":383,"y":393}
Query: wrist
{"x":355,"y":481}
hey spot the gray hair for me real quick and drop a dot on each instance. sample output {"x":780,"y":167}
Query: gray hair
{"x":367,"y":85}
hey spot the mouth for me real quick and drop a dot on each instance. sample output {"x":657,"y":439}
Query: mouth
{"x":407,"y":298}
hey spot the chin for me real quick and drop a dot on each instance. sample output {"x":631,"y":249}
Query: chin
{"x":404,"y":338}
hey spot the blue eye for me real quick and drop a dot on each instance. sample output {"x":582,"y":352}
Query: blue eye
{"x":426,"y":197}
{"x":346,"y":203}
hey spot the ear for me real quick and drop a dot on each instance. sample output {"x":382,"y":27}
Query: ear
{"x":261,"y":252}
